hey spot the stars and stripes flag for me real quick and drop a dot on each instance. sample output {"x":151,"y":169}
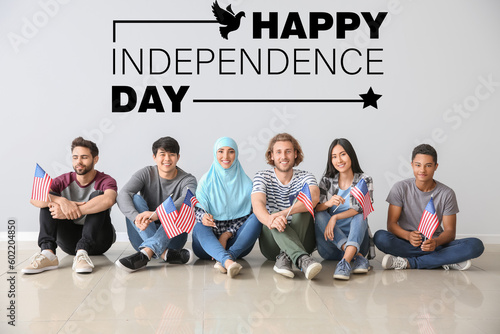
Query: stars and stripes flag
{"x":305,"y":197}
{"x":167,"y":214}
{"x":41,"y":185}
{"x":186,"y":218}
{"x":429,"y":221}
{"x":362,"y":195}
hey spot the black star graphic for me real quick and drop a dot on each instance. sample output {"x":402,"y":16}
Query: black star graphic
{"x":370,"y":99}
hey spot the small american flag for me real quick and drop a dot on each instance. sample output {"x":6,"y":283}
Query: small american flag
{"x":168,"y":215}
{"x":305,"y":197}
{"x":41,"y":185}
{"x":429,"y":221}
{"x":186,"y":218}
{"x":362,"y":195}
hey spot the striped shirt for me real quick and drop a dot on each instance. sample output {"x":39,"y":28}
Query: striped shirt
{"x":279,"y":196}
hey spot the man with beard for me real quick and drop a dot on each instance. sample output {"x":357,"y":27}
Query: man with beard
{"x":288,"y":234}
{"x":77,"y":215}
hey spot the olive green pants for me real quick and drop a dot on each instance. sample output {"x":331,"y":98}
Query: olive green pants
{"x":297,"y":239}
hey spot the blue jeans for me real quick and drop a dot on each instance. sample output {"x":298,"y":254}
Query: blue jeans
{"x":351,"y":231}
{"x":207,"y":246}
{"x":154,"y":236}
{"x":458,"y":250}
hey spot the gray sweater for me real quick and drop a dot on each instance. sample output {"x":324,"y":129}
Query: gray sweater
{"x":154,"y":190}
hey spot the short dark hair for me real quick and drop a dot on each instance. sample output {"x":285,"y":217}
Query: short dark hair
{"x":94,"y":151}
{"x":169,"y":144}
{"x":346,"y":144}
{"x":425,"y":149}
{"x":284,"y":137}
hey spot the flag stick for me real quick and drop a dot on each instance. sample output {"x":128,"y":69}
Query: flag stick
{"x":339,"y":205}
{"x":294,"y":201}
{"x":155,"y":210}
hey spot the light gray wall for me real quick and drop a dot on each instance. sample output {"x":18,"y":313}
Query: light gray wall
{"x":437,"y":59}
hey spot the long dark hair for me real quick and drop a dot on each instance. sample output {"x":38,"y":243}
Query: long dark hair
{"x":330,"y":170}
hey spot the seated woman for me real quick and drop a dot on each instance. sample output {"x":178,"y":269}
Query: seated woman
{"x":226,"y":229}
{"x":341,"y":232}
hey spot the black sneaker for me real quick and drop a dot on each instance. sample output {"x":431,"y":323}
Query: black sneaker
{"x":133,"y":262}
{"x":178,"y":256}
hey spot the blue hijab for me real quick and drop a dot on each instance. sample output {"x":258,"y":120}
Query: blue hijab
{"x":225,"y":193}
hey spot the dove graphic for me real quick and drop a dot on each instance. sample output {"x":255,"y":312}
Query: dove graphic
{"x":227,"y":18}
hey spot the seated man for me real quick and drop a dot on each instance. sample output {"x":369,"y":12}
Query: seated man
{"x":403,"y":243}
{"x":285,"y":239}
{"x":77,"y":215}
{"x":155,"y":184}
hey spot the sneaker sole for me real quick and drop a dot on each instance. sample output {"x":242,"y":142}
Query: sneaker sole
{"x":284,"y":272}
{"x":191,"y":257}
{"x":37,"y":271}
{"x":83,"y":271}
{"x":467,"y":266}
{"x":121,"y":266}
{"x":385,"y":260}
{"x":234,"y":270}
{"x":313,"y":270}
{"x":341,"y":277}
{"x":360,"y":270}
{"x":220,"y":268}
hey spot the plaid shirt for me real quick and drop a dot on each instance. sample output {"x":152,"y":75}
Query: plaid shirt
{"x":222,"y":226}
{"x":329,"y":186}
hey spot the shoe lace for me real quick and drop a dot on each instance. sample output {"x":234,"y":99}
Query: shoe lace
{"x":456,"y":266}
{"x":36,"y":259}
{"x":305,"y":262}
{"x":343,"y":265}
{"x":399,"y":263}
{"x":84,"y":257}
{"x":284,"y":259}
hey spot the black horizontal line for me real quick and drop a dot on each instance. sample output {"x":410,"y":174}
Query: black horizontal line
{"x":275,"y":101}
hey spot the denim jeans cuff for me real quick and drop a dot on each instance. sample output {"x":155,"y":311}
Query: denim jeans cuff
{"x":340,"y":243}
{"x":353,"y":243}
{"x":154,"y":247}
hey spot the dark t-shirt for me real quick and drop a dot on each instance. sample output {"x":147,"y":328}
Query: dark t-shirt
{"x":67,"y":186}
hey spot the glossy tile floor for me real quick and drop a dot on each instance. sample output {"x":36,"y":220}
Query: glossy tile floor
{"x":196,"y":298}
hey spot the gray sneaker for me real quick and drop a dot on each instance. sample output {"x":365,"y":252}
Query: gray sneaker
{"x":309,"y":266}
{"x":360,"y":265}
{"x":283,"y":265}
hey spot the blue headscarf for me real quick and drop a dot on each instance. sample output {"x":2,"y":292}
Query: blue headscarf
{"x":225,"y":193}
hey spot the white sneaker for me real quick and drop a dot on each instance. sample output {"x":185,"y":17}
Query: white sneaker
{"x":394,"y":262}
{"x":220,"y":267}
{"x":458,"y":266}
{"x":234,"y":269}
{"x":40,"y":263}
{"x":82,"y":263}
